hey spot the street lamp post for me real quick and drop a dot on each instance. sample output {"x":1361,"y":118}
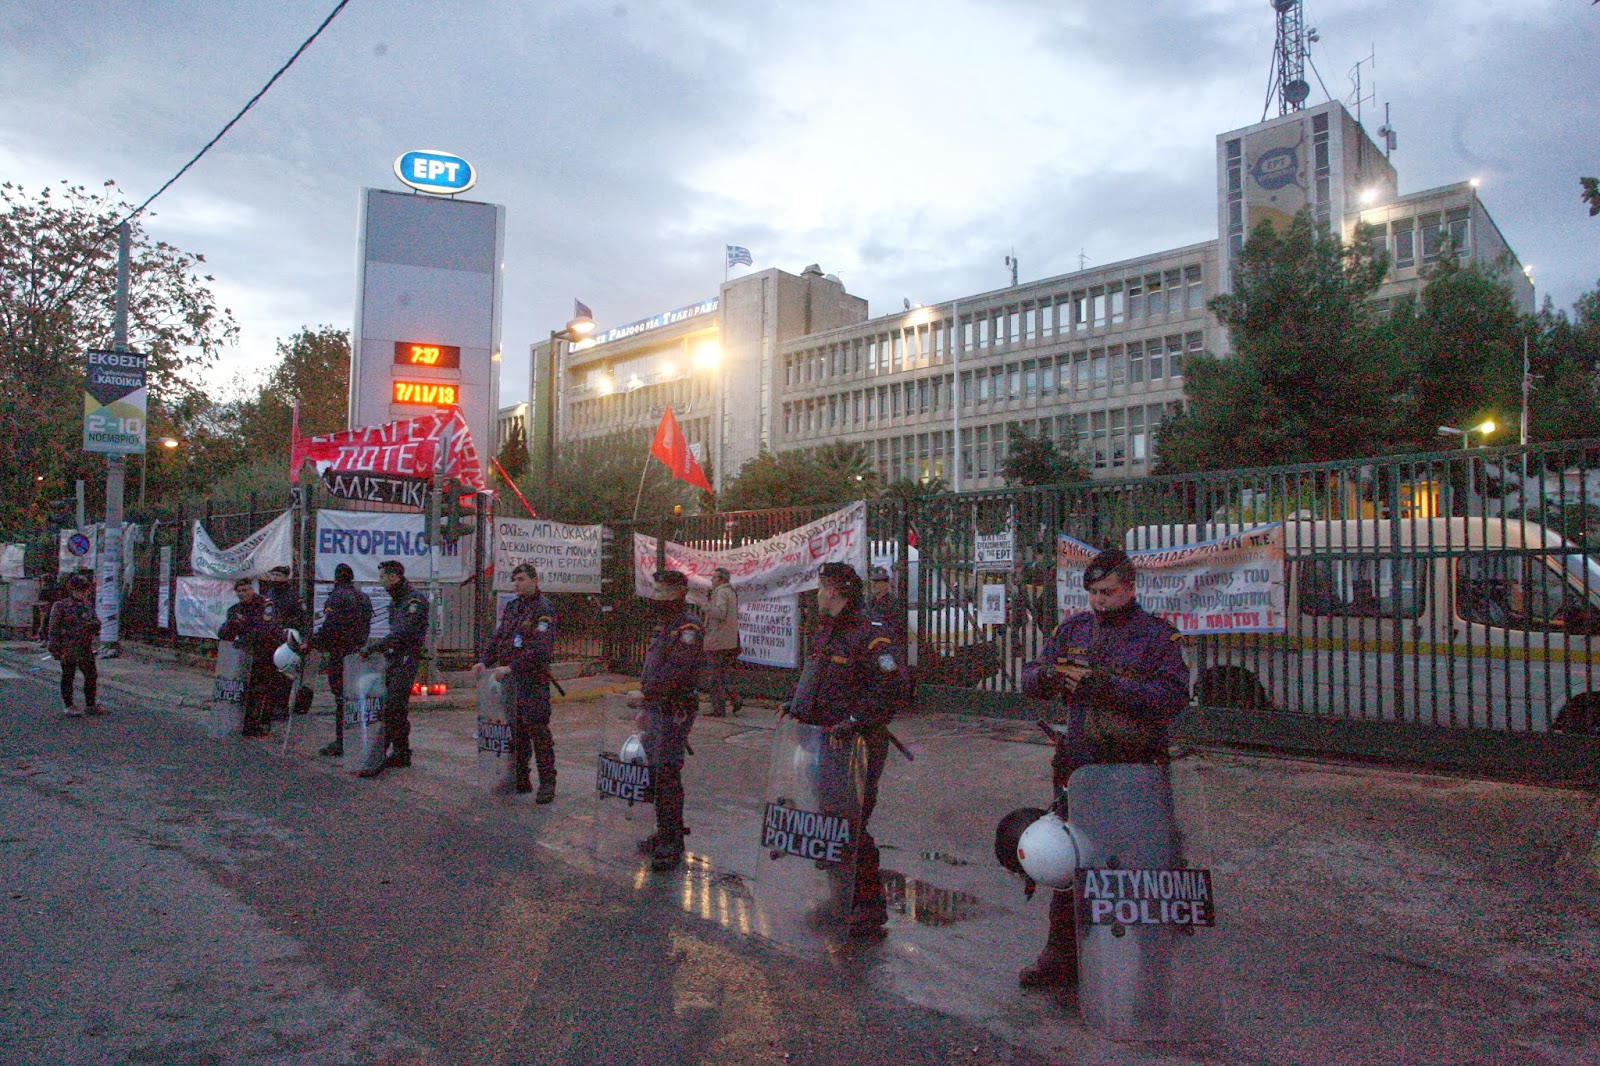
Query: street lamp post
{"x":168,"y":443}
{"x":1482,"y":429}
{"x":578,"y":329}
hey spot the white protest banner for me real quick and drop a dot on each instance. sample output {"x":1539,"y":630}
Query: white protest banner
{"x":784,"y":565}
{"x":567,"y":557}
{"x":1233,"y":584}
{"x":992,"y":604}
{"x":366,"y":538}
{"x":995,"y":551}
{"x":202,"y":605}
{"x":769,"y":632}
{"x":11,"y":561}
{"x":267,"y":547}
{"x":164,"y":590}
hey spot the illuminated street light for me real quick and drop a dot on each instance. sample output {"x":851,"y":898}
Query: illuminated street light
{"x":1482,"y":429}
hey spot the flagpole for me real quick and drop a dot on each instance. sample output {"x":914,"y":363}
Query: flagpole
{"x":640,"y":495}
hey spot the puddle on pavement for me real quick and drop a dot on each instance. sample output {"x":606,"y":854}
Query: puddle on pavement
{"x":928,"y":904}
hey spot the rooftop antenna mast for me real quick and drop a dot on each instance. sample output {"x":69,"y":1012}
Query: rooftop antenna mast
{"x":1289,"y":58}
{"x":1357,"y":98}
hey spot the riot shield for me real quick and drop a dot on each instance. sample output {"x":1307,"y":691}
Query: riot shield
{"x":808,"y":836}
{"x":624,"y":789}
{"x":226,"y":715}
{"x":300,"y":694}
{"x":497,"y":764}
{"x":1146,"y":914}
{"x":364,"y":740}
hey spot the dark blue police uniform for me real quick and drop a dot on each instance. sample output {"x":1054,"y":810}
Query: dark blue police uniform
{"x":670,"y":682}
{"x":525,"y":641}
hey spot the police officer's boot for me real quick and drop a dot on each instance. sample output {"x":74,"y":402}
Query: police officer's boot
{"x":869,"y":911}
{"x":398,"y":756}
{"x":1057,"y":964}
{"x":666,"y":850}
{"x":520,"y":753}
{"x":544,"y":751}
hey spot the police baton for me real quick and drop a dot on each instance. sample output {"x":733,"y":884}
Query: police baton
{"x":901,"y":748}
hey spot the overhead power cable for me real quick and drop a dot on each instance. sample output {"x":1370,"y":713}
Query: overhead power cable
{"x":340,"y":6}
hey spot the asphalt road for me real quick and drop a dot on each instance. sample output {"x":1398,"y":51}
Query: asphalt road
{"x":173,"y":899}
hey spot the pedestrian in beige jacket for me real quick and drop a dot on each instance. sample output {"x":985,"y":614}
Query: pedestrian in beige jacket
{"x":722,"y":644}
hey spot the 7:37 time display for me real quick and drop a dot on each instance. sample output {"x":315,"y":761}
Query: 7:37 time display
{"x":420,"y":353}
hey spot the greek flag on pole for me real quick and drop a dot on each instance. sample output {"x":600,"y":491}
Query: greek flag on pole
{"x":737,"y":255}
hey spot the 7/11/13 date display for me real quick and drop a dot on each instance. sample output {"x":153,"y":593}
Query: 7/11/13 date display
{"x":417,"y":353}
{"x":427,"y":393}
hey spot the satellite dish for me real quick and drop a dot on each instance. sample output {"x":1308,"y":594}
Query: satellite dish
{"x":1296,"y":92}
{"x":1281,"y":6}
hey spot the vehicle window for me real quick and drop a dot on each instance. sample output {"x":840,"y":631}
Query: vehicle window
{"x":1360,"y":588}
{"x":1528,"y":592}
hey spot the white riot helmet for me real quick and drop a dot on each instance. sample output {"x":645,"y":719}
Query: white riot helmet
{"x":633,"y":751}
{"x":287,"y":657}
{"x":1052,"y":851}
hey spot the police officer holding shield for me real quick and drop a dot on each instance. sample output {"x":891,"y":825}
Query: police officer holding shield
{"x":253,"y":623}
{"x":346,"y":624}
{"x":402,"y":650}
{"x":852,"y":683}
{"x":1119,"y":674}
{"x":668,"y":700}
{"x":523,"y":647}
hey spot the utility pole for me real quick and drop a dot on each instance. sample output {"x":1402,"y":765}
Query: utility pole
{"x":109,"y":562}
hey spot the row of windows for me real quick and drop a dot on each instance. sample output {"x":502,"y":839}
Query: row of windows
{"x":1428,"y":234}
{"x":1113,"y":439}
{"x":1155,"y":295}
{"x":1157,"y":360}
{"x":620,"y":410}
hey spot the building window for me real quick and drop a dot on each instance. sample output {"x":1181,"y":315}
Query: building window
{"x":1174,"y":357}
{"x":922,"y":396}
{"x":1153,"y":361}
{"x":1118,"y":304}
{"x":1014,"y":382}
{"x":1136,"y":362}
{"x":1119,"y":365}
{"x":1119,"y":441}
{"x":1080,"y":318}
{"x":1030,"y":380}
{"x":1405,"y":252}
{"x":1137,"y":450}
{"x":1456,"y":227}
{"x":1135,"y":299}
{"x":1099,"y":308}
{"x":1154,"y":298}
{"x":1047,"y":377}
{"x":1194,"y":289}
{"x":1030,"y":323}
{"x":983,"y":386}
{"x":1097,"y":363}
{"x":1429,"y":225}
{"x":1174,"y":286}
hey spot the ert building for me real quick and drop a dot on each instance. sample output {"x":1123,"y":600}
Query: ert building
{"x":1094,"y":359}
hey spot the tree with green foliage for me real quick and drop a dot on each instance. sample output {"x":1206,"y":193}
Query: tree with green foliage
{"x":58,"y":259}
{"x":1564,"y":402}
{"x":1591,"y":194}
{"x":911,"y":491}
{"x":838,"y":474}
{"x":513,"y":457}
{"x":1035,"y":460}
{"x":1458,"y":348}
{"x":597,"y":480}
{"x":1304,"y":382}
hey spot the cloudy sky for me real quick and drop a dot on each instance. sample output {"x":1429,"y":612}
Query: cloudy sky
{"x":907,"y":146}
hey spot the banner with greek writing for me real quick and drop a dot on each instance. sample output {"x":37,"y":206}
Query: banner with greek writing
{"x":769,"y":632}
{"x":784,"y":565}
{"x":202,"y":605}
{"x":1234,"y":584}
{"x":366,"y":538}
{"x":12,"y":557}
{"x":567,"y":557}
{"x":267,"y":547}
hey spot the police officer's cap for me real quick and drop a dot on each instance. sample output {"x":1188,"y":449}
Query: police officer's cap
{"x":1105,"y":564}
{"x":840,"y":574}
{"x":672,"y":578}
{"x":343,"y":574}
{"x":393,"y":566}
{"x":878,"y":573}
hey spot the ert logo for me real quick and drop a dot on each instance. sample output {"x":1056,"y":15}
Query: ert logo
{"x":1277,"y":167}
{"x":440,"y":173}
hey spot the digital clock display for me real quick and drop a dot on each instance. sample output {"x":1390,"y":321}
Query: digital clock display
{"x":427,"y":393}
{"x":415,"y":353}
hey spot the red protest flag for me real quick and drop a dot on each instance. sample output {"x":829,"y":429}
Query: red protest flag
{"x":670,"y":447}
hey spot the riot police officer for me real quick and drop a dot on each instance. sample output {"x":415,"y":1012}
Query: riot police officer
{"x":346,"y":624}
{"x":853,"y":682}
{"x":668,"y":699}
{"x":402,"y":650}
{"x":1120,"y":675}
{"x":253,"y":623}
{"x":523,"y":647}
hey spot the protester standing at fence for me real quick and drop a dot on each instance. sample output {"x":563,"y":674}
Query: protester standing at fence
{"x":852,"y":684}
{"x":1120,"y":676}
{"x":668,"y":699}
{"x":402,"y":650}
{"x":70,"y":634}
{"x":346,"y":625}
{"x":520,"y":654}
{"x":250,"y":622}
{"x":722,"y":644}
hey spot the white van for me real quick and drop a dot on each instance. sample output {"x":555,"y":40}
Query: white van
{"x":1489,"y":623}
